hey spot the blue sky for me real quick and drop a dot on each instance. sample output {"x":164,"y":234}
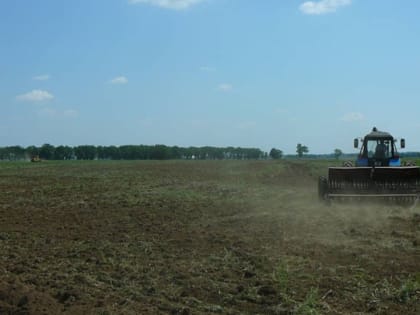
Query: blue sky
{"x":209,"y":72}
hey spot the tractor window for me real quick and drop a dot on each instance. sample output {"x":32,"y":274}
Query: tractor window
{"x":379,"y":149}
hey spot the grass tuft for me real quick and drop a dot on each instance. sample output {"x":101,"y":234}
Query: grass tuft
{"x":310,"y":305}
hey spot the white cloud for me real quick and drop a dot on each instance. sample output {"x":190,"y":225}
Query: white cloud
{"x":351,"y":117}
{"x":322,"y":6}
{"x":225,"y":87}
{"x":119,"y":80}
{"x":168,"y":4}
{"x":42,"y":77}
{"x":35,"y":96}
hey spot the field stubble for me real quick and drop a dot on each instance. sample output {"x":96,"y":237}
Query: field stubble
{"x":198,"y":237}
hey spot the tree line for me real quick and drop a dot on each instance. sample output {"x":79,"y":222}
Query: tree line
{"x":129,"y":152}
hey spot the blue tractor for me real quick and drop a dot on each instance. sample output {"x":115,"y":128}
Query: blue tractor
{"x":378,"y":173}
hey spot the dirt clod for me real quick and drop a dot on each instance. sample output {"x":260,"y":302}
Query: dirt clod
{"x":267,"y":290}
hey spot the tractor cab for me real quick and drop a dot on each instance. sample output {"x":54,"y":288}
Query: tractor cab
{"x":378,"y":149}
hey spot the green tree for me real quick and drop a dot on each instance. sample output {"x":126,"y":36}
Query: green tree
{"x":47,"y":152}
{"x":13,"y":153}
{"x":112,"y":152}
{"x":276,"y":153}
{"x":32,"y":151}
{"x":63,"y":153}
{"x":159,"y":152}
{"x":129,"y":152}
{"x":301,"y":150}
{"x":85,"y":152}
{"x":337,"y":153}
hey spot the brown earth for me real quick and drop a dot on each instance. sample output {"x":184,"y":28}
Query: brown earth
{"x":198,"y":237}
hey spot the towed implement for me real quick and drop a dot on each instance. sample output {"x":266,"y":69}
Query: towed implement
{"x":377,"y":174}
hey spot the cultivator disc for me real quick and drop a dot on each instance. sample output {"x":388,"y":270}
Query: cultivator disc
{"x":396,"y":184}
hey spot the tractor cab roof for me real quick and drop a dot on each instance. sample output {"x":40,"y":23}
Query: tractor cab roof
{"x":376,"y":134}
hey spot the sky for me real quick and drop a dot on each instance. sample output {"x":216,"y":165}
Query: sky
{"x":265,"y":74}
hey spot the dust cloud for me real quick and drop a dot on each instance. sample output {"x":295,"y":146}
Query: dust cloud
{"x":291,"y":202}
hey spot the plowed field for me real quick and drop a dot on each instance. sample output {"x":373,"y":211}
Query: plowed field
{"x":198,"y":237}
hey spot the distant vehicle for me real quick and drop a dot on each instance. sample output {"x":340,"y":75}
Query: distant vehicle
{"x":36,"y":158}
{"x":376,"y":173}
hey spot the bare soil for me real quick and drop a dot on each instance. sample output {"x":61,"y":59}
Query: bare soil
{"x":198,"y":237}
